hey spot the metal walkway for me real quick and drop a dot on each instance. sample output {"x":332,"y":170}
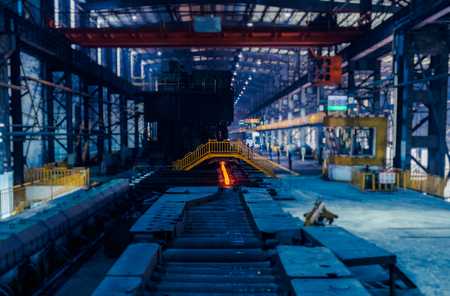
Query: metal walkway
{"x":232,"y":149}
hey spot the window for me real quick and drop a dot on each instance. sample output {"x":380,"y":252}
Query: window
{"x":343,"y":141}
{"x":363,"y":142}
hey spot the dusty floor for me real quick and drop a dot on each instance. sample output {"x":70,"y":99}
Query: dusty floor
{"x":414,"y":226}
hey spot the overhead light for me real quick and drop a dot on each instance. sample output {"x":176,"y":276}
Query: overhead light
{"x":244,"y":87}
{"x":246,"y":82}
{"x":240,"y":55}
{"x":232,"y":79}
{"x":250,"y":78}
{"x":159,"y":53}
{"x":242,"y":92}
{"x":234,"y":73}
{"x":287,"y":14}
{"x":250,"y":24}
{"x":258,"y":62}
{"x":254,"y":70}
{"x":134,"y":17}
{"x":237,"y":65}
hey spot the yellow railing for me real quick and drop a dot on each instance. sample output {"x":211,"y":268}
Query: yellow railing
{"x":425,"y":183}
{"x":45,"y":174}
{"x":20,"y":197}
{"x":298,"y":121}
{"x":225,"y":149}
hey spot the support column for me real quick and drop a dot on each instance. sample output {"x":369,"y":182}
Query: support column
{"x":351,"y":92}
{"x":404,"y":63}
{"x":101,"y":126}
{"x":126,"y":65}
{"x":376,"y":95}
{"x":123,"y":121}
{"x":5,"y":153}
{"x":86,"y":122}
{"x":16,"y":114}
{"x":438,"y":115}
{"x":109,"y":118}
{"x":137,"y":115}
{"x":69,"y":110}
{"x":296,"y":64}
{"x":79,"y":136}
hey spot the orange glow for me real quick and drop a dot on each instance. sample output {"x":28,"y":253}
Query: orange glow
{"x":225,"y":173}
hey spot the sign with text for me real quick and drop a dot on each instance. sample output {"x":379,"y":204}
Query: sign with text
{"x":337,"y":103}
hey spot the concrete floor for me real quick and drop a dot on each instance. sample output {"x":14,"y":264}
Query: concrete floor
{"x":414,"y":226}
{"x":307,"y":167}
{"x":88,"y":277}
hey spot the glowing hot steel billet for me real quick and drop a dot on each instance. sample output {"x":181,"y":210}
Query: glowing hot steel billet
{"x":225,"y":173}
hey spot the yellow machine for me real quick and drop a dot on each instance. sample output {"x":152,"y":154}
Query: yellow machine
{"x":318,"y":214}
{"x":357,"y":152}
{"x":356,"y":140}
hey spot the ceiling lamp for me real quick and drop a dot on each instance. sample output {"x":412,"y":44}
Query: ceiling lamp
{"x":254,"y":70}
{"x":287,"y":14}
{"x":250,"y":78}
{"x":237,"y":65}
{"x":240,"y":55}
{"x":232,"y":79}
{"x":250,"y":24}
{"x":234,"y":73}
{"x":159,"y":53}
{"x":244,"y":87}
{"x":134,"y":17}
{"x":246,"y":82}
{"x":258,"y":62}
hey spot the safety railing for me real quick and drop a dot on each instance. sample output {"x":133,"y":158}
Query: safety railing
{"x":316,"y":118}
{"x":45,"y":175}
{"x":425,"y":183}
{"x":225,"y":148}
{"x":47,"y":185}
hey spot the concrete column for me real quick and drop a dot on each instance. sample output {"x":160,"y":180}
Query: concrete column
{"x":302,"y":137}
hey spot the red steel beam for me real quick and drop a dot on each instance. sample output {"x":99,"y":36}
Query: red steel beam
{"x":236,"y":37}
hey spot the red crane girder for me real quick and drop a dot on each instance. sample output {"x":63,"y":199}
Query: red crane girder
{"x":185,"y":37}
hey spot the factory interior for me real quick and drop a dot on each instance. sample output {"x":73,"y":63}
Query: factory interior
{"x":224,"y":147}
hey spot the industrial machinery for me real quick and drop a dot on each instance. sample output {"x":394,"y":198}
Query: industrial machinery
{"x":192,"y":110}
{"x":325,"y":70}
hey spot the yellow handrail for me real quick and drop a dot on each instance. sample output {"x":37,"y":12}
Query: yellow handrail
{"x":430,"y":184}
{"x":294,"y":122}
{"x":228,"y":148}
{"x":17,"y":200}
